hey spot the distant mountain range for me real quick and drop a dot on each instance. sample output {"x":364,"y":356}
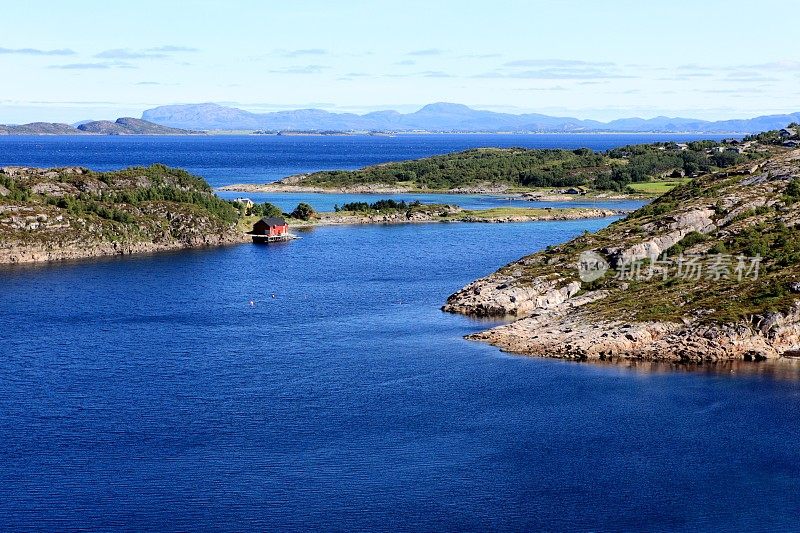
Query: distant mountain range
{"x":435,"y":118}
{"x":439,"y":117}
{"x":122,"y":126}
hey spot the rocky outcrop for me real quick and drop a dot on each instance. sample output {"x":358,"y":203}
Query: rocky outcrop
{"x":666,"y":234}
{"x":545,"y":214}
{"x":72,"y":213}
{"x":566,"y":332}
{"x":452,"y":213}
{"x":25,"y":253}
{"x":752,"y":211}
{"x":498,"y":296}
{"x":130,"y":126}
{"x":39,"y":128}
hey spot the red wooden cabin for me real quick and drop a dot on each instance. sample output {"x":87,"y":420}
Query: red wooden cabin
{"x":271,"y":227}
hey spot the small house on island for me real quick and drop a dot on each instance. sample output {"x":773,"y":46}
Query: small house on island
{"x":270,"y":229}
{"x":246,"y":202}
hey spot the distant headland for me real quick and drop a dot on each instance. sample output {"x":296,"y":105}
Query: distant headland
{"x":122,"y":126}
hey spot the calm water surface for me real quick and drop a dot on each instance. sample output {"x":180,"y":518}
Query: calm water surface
{"x":224,"y":159}
{"x":148,"y":393}
{"x":328,"y":201}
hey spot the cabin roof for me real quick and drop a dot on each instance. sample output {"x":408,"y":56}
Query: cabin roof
{"x":273,"y":221}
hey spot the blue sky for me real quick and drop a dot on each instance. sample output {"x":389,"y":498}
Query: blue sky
{"x":87,"y":59}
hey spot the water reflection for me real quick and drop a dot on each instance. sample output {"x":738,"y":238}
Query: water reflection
{"x":787,"y":369}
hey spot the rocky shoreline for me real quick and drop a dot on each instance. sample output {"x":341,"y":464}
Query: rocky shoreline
{"x":450,"y":214}
{"x":68,"y":213}
{"x":376,"y":188}
{"x":371,"y":188}
{"x":559,"y":315}
{"x":30,"y":254}
{"x":566,"y":332}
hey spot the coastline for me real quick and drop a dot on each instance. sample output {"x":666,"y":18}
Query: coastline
{"x":533,"y":195}
{"x":50,"y":252}
{"x":453,"y":214}
{"x":40,"y":254}
{"x":668,"y":316}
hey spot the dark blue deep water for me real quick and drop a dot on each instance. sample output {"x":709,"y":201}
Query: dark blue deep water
{"x":147,"y":393}
{"x":224,"y":159}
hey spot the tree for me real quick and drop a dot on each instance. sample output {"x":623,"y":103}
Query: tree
{"x":303,"y":211}
{"x":266,"y":210}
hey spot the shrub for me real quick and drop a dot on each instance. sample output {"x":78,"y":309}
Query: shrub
{"x":303,"y":211}
{"x":266,"y":210}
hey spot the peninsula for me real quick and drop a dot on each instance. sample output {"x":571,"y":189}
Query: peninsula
{"x":392,"y":212}
{"x":707,"y":272}
{"x":121,"y":126}
{"x":71,"y":213}
{"x":637,"y":170}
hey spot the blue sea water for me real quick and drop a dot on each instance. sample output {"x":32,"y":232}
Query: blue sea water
{"x":147,"y":393}
{"x":223,"y":160}
{"x":328,"y":201}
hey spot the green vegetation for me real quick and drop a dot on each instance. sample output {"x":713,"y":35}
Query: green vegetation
{"x":16,"y":193}
{"x":646,"y":169}
{"x":158,"y":175}
{"x":687,"y":242}
{"x":69,"y":206}
{"x":303,"y":211}
{"x":644,"y":162}
{"x":656,"y":188}
{"x":757,"y":220}
{"x":84,"y":205}
{"x":223,"y":209}
{"x":516,"y":166}
{"x":380,"y":205}
{"x":265,"y":210}
{"x":774,"y":136}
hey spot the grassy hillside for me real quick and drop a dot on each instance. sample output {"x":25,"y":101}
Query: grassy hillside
{"x":710,"y":271}
{"x":75,"y":209}
{"x":614,"y":170}
{"x":716,"y":220}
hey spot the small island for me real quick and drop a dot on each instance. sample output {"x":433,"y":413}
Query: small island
{"x":388,"y":211}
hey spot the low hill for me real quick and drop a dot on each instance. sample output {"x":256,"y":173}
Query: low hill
{"x":64,"y":213}
{"x":129,"y":126}
{"x":122,"y":126}
{"x":708,"y":271}
{"x":39,"y":128}
{"x":510,"y":168}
